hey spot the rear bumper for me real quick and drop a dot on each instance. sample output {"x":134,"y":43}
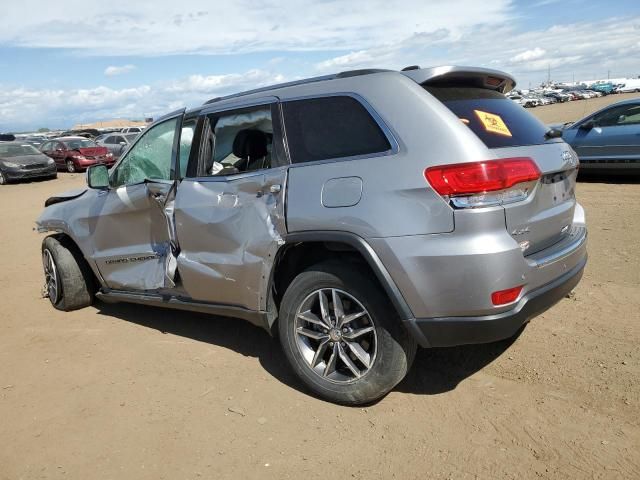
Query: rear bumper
{"x":450,"y":331}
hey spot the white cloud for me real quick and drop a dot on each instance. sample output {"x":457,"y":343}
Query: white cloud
{"x":528,"y":55}
{"x":25,"y":108}
{"x":130,"y":28}
{"x":113,"y":70}
{"x":584,"y":50}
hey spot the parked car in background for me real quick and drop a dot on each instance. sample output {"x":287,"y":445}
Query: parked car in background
{"x":21,"y":161}
{"x":75,"y":154}
{"x":116,"y":143}
{"x":609,"y":139}
{"x":400,"y":209}
{"x":35,"y":140}
{"x":629,"y":86}
{"x":132,"y":130}
{"x":605,"y":88}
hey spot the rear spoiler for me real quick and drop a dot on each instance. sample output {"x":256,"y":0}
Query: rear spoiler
{"x":463,"y":76}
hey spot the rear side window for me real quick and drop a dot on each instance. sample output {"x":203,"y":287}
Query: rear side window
{"x":331,"y":127}
{"x":495,"y":119}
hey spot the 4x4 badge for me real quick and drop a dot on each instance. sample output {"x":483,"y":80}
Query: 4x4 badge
{"x":520,"y":231}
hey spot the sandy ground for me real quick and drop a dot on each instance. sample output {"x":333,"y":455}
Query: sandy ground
{"x":572,"y":111}
{"x":125,"y":391}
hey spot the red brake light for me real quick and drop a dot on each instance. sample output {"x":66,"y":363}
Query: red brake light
{"x":502,"y":297}
{"x":477,"y":177}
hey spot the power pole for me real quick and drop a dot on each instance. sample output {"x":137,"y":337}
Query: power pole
{"x":549,"y":74}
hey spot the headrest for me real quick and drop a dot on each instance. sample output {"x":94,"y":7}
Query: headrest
{"x":250,"y":144}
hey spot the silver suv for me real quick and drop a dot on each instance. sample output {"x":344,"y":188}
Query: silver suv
{"x":356,"y":216}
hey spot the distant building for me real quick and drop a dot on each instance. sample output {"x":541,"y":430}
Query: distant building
{"x":115,"y":123}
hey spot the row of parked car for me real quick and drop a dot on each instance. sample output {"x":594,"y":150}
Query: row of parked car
{"x":22,"y":159}
{"x":559,"y":93}
{"x":536,"y":98}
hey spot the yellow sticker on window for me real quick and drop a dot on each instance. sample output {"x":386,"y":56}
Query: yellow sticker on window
{"x":493,"y":123}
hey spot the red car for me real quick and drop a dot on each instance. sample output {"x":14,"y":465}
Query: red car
{"x":75,"y":154}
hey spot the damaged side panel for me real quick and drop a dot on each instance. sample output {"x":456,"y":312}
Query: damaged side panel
{"x":127,"y":233}
{"x":229,"y":233}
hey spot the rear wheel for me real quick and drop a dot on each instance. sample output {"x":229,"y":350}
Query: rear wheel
{"x":342,"y":337}
{"x":68,"y":281}
{"x":71,"y":167}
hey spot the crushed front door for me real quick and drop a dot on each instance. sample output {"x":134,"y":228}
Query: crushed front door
{"x":132,"y":222}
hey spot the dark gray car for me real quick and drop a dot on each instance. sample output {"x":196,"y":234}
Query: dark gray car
{"x":609,"y":139}
{"x":356,"y":216}
{"x":20,"y":161}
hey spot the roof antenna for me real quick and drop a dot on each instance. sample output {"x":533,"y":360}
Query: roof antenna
{"x":410,"y":67}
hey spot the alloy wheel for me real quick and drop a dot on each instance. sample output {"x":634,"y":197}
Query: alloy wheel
{"x":3,"y":180}
{"x":336,"y":335}
{"x":51,"y":284}
{"x":71,"y":168}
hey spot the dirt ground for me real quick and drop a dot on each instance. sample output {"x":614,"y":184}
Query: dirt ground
{"x":572,"y":111}
{"x":126,"y":391}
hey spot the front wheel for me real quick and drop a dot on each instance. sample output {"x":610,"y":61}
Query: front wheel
{"x":341,"y":335}
{"x":68,"y":281}
{"x":71,"y":167}
{"x":3,"y":179}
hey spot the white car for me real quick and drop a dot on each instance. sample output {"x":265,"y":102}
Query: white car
{"x":132,"y":130}
{"x":629,"y":86}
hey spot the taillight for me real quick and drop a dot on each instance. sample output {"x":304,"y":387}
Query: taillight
{"x":490,"y":182}
{"x":503,"y":297}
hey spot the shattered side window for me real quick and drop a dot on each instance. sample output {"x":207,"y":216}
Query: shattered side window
{"x":150,"y":158}
{"x":240,"y":142}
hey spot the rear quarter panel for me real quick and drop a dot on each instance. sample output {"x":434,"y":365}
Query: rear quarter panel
{"x":396,"y":199}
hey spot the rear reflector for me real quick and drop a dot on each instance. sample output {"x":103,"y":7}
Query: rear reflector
{"x":478,"y":177}
{"x":502,"y":297}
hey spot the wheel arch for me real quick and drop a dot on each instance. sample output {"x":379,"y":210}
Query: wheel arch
{"x":69,"y":242}
{"x":303,"y":249}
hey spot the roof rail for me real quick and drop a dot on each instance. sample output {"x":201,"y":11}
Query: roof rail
{"x":357,"y":73}
{"x":270,"y":87}
{"x":346,"y":74}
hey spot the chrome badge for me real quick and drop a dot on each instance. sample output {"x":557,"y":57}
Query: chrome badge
{"x":570,"y":158}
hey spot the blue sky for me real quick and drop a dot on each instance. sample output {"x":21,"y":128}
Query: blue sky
{"x":82,"y":62}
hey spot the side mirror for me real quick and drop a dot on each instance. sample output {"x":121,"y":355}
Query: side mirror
{"x":123,"y":143}
{"x":588,"y":125}
{"x":98,"y":177}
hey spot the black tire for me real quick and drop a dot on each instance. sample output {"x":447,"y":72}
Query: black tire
{"x":71,"y":167}
{"x":75,"y":283}
{"x":395,"y":349}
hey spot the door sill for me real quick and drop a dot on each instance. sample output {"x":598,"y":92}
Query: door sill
{"x":169,"y":301}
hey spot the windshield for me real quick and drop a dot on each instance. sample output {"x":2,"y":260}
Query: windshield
{"x":496,"y":120}
{"x":80,"y":143}
{"x":14,"y":150}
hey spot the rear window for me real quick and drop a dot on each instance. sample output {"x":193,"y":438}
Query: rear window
{"x":331,"y":127}
{"x":495,"y":119}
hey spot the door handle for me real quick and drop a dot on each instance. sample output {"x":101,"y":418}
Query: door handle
{"x":275,"y":188}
